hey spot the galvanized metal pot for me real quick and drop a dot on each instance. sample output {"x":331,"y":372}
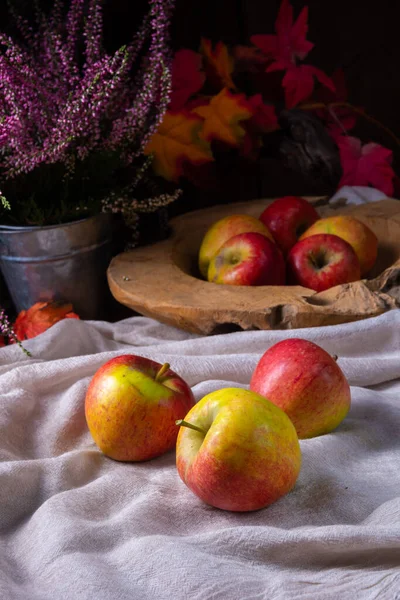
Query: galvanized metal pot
{"x":65,"y":263}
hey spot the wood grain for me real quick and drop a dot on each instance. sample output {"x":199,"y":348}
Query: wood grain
{"x":162,"y":280}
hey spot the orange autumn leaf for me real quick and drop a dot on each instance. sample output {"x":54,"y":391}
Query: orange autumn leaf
{"x":176,"y":142}
{"x":219,"y":64}
{"x":40,"y":317}
{"x":222,"y":117}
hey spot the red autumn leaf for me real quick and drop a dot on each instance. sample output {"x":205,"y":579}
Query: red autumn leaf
{"x":338,"y":94}
{"x":290,"y":41}
{"x":40,"y":317}
{"x":264,"y":116}
{"x":223,"y":116}
{"x":263,"y":120}
{"x":368,"y":164}
{"x":287,"y":47}
{"x":298,"y":81}
{"x":197,"y":101}
{"x":203,"y":177}
{"x":337,"y":118}
{"x":219,"y":64}
{"x":187,"y":78}
{"x":177,"y":140}
{"x":2,"y":343}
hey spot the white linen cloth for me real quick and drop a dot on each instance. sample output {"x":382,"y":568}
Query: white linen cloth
{"x":75,"y":525}
{"x":358,"y":194}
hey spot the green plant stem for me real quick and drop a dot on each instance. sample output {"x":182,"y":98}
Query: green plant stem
{"x":183,"y":423}
{"x":162,"y":371}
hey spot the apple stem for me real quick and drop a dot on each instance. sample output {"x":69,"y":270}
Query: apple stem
{"x":183,"y":423}
{"x":162,"y":371}
{"x":335,"y":357}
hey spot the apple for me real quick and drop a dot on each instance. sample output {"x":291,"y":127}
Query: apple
{"x":322,"y":261}
{"x":131,"y":407}
{"x":287,"y":218}
{"x":306,"y":382}
{"x":236,"y":451}
{"x":221,"y":231}
{"x":248,"y":259}
{"x":363,"y":241}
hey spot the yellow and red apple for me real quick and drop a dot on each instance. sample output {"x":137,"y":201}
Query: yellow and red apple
{"x":287,"y":218}
{"x":221,"y":231}
{"x":362,"y":239}
{"x":321,"y":262}
{"x":237,"y":451}
{"x":248,"y":259}
{"x":131,"y":407}
{"x":306,"y":382}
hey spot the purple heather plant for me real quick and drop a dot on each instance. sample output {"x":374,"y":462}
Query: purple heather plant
{"x":75,"y":118}
{"x":7,"y":331}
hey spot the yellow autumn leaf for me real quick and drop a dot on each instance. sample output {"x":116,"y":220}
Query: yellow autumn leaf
{"x":219,"y":64}
{"x":177,"y":141}
{"x":222,"y":117}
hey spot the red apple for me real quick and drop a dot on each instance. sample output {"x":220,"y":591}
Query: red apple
{"x":221,"y":231}
{"x":131,"y":407}
{"x":360,"y":237}
{"x":321,"y":262}
{"x":248,"y":259}
{"x":236,"y":451}
{"x":306,"y":382}
{"x":287,"y":218}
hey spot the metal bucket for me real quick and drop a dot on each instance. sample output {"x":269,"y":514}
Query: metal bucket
{"x":65,"y":263}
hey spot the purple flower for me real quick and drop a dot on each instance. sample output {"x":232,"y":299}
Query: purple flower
{"x":65,"y":100}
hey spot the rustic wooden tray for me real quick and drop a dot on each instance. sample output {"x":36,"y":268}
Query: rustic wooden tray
{"x":162,"y":280}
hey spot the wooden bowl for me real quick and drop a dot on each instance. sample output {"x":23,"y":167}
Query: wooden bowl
{"x":162,"y":280}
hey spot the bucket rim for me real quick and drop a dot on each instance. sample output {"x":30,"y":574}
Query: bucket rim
{"x":22,"y":228}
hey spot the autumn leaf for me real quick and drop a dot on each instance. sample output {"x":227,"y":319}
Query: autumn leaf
{"x":262,"y":121}
{"x":290,"y":41}
{"x":336,"y":119}
{"x":197,"y":101}
{"x":368,"y":164}
{"x":222,"y":117}
{"x":285,"y":49}
{"x":264,"y":116}
{"x":187,"y":78}
{"x":40,"y":317}
{"x":338,"y":94}
{"x":177,"y":141}
{"x":2,"y":343}
{"x":219,"y":64}
{"x":298,"y":82}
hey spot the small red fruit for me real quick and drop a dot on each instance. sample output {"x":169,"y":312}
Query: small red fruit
{"x":248,"y":259}
{"x":321,"y":262}
{"x":287,"y":219}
